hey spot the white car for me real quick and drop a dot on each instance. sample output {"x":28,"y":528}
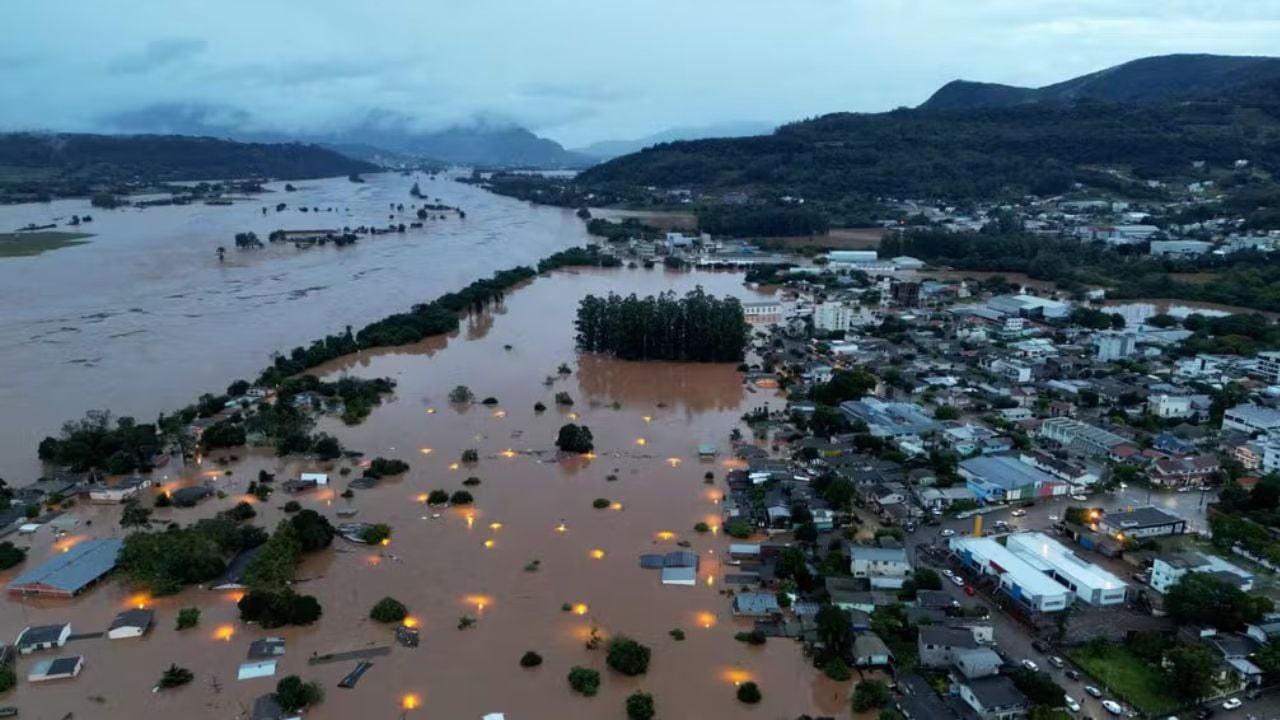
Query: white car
{"x":1232,"y":704}
{"x":1056,"y":661}
{"x":1185,"y":488}
{"x":957,"y":580}
{"x":1093,"y":691}
{"x":1018,"y":513}
{"x":947,"y":533}
{"x":1072,"y":705}
{"x":1079,"y":498}
{"x":1030,"y":665}
{"x":948,"y":573}
{"x":1112,"y":707}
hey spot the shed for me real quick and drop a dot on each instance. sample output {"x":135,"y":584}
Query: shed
{"x":131,"y":623}
{"x":68,"y":574}
{"x":267,"y":647}
{"x":679,"y":576}
{"x":56,"y":669}
{"x":317,"y":478}
{"x":42,"y":637}
{"x":256,"y":669}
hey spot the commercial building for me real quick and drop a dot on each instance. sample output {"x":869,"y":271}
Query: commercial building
{"x":1179,"y":248}
{"x":1029,"y":306}
{"x":1249,"y":418}
{"x":1023,"y":582}
{"x":1268,"y":367}
{"x":890,"y":420}
{"x":68,"y":574}
{"x":762,"y":313}
{"x":1092,"y":584}
{"x":1077,"y":475}
{"x":853,"y":257}
{"x":1167,"y":570}
{"x":1116,"y":346}
{"x":1002,"y":478}
{"x":1142,"y":522}
{"x":1080,"y":437}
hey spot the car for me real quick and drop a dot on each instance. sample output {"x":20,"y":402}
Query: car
{"x":1231,"y":704}
{"x":1040,"y":646}
{"x":970,"y":591}
{"x":1072,"y":674}
{"x":1093,"y":691}
{"x":1112,"y":707}
{"x":1072,"y":705}
{"x":1080,"y":498}
{"x":1204,"y":713}
{"x":957,"y":580}
{"x":936,"y":511}
{"x":1056,"y":661}
{"x":1028,"y":664}
{"x":1018,"y":513}
{"x":947,"y":533}
{"x":1185,"y":489}
{"x":1124,"y":486}
{"x":948,"y":573}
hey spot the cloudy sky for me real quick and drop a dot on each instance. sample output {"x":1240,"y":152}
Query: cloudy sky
{"x":573,"y":70}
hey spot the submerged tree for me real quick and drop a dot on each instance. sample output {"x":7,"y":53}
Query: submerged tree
{"x":695,"y":328}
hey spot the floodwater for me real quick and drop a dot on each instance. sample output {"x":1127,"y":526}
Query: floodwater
{"x":647,"y":419}
{"x":143,"y":318}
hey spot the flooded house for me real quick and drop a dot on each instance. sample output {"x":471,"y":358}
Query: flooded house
{"x":42,"y":637}
{"x":121,"y":492}
{"x":131,"y":624}
{"x":62,"y":668}
{"x":70,"y":573}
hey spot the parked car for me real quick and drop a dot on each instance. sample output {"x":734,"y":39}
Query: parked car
{"x":1018,"y":513}
{"x":948,"y":532}
{"x":1030,"y":665}
{"x":970,"y":591}
{"x":957,"y":580}
{"x":1056,"y":661}
{"x":1040,"y":646}
{"x":948,"y":573}
{"x":1093,"y":691}
{"x":1204,"y":713}
{"x":1072,"y":705}
{"x":1074,"y":675}
{"x":1112,"y":707}
{"x":1080,"y":498}
{"x":1231,"y":704}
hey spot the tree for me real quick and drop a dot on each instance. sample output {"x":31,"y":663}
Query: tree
{"x":927,"y":579}
{"x":749,"y":693}
{"x":627,"y":656}
{"x":461,"y":497}
{"x":575,"y":439}
{"x":388,"y":610}
{"x":640,"y":706}
{"x":869,"y":694}
{"x":792,"y":566}
{"x":272,"y":609}
{"x":175,"y":677}
{"x":1038,"y":686}
{"x":375,"y":533}
{"x":293,"y":694}
{"x":837,"y":670}
{"x":1191,"y":671}
{"x":946,"y":412}
{"x":11,"y":555}
{"x":530,"y":659}
{"x":437,"y":497}
{"x":313,"y":530}
{"x":835,"y":630}
{"x":739,"y":528}
{"x":564,"y":399}
{"x":844,"y":385}
{"x":241,"y":512}
{"x":1202,"y":599}
{"x":584,"y":680}
{"x":188,"y":617}
{"x":461,"y":395}
{"x":134,"y":515}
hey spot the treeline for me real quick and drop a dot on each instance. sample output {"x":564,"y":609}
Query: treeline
{"x":578,"y":257}
{"x":622,"y":230}
{"x":695,"y":328}
{"x":769,"y":220}
{"x":120,"y":447}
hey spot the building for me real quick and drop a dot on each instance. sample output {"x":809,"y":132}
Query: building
{"x":58,"y":669}
{"x":68,"y":574}
{"x":852,"y":257}
{"x":762,"y":313}
{"x":190,"y":495}
{"x":1080,"y":437}
{"x":978,"y":662}
{"x":680,"y":568}
{"x":1183,"y":471}
{"x":870,"y":651}
{"x":833,"y":317}
{"x":1092,"y":584}
{"x":1116,"y":346}
{"x":756,"y":604}
{"x":967,"y":439}
{"x":1023,"y":582}
{"x":907,"y":294}
{"x":1179,"y":248}
{"x":1167,"y":570}
{"x":1002,"y":478}
{"x":123,"y":491}
{"x":131,"y":624}
{"x":889,"y":419}
{"x":267,"y":647}
{"x":1077,"y":475}
{"x":42,"y":637}
{"x":1268,"y":367}
{"x":885,"y":568}
{"x":994,"y":698}
{"x":1250,"y":419}
{"x":1141,"y":522}
{"x":1171,"y":406}
{"x":938,"y":647}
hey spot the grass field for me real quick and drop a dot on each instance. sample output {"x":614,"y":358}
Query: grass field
{"x":33,"y":243}
{"x":1129,"y":677}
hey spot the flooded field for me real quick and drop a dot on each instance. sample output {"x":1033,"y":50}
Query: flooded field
{"x":142,"y":318}
{"x":647,"y":419}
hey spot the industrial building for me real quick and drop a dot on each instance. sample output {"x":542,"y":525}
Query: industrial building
{"x":1092,"y":584}
{"x":890,"y":419}
{"x":1003,"y":478}
{"x":1023,"y":582}
{"x":68,"y":574}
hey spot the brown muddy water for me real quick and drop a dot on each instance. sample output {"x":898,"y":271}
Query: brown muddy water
{"x":143,"y":318}
{"x":470,"y":561}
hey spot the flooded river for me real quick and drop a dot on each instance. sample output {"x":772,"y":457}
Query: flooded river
{"x":647,"y":419}
{"x":143,"y":318}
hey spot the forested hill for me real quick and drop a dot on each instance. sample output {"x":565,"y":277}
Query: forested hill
{"x":981,"y":152}
{"x":1152,"y":79}
{"x":69,"y":164}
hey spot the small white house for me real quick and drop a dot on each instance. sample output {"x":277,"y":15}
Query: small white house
{"x":42,"y":637}
{"x":57,"y":669}
{"x":319,"y":479}
{"x":131,"y":624}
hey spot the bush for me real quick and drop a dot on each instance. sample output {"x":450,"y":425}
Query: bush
{"x":11,"y":555}
{"x":437,"y":497}
{"x":489,"y":401}
{"x":530,"y":659}
{"x":293,"y":694}
{"x":752,"y":637}
{"x":749,"y":693}
{"x":575,"y":439}
{"x":471,"y":481}
{"x":539,"y":407}
{"x":176,"y":677}
{"x":701,"y":527}
{"x":470,"y":455}
{"x":376,"y":533}
{"x":461,"y":395}
{"x":640,"y":706}
{"x":292,"y":506}
{"x":461,"y":497}
{"x":163,"y":500}
{"x":676,"y":633}
{"x":600,"y":503}
{"x":584,"y":680}
{"x":563,"y":398}
{"x":739,"y":528}
{"x":188,"y":617}
{"x":388,"y":610}
{"x":627,"y":656}
{"x":837,"y":670}
{"x":242,"y":511}
{"x":869,"y":694}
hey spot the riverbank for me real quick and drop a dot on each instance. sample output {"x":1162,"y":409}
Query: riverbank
{"x":28,"y":244}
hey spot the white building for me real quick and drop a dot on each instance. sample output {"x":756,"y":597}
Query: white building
{"x":1023,"y":582}
{"x":131,"y":624}
{"x":1116,"y":346}
{"x":1179,"y":248}
{"x":833,"y":317}
{"x":762,"y":313}
{"x":884,"y":567}
{"x":1250,"y":418}
{"x":1268,"y":367}
{"x":1167,"y":571}
{"x":852,"y":257}
{"x":1092,"y":584}
{"x":1170,"y":406}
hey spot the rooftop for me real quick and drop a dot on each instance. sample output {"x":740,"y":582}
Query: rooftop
{"x":1032,"y":580}
{"x":947,"y":637}
{"x":1063,"y":560}
{"x":71,"y":571}
{"x":877,"y":554}
{"x":1005,"y":471}
{"x":996,"y":691}
{"x":1143,"y":517}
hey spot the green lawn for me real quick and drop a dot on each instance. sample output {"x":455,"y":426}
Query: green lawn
{"x":1129,"y":677}
{"x":26,"y":244}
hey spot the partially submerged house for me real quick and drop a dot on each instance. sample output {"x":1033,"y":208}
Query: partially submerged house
{"x":42,"y":637}
{"x":131,"y":624}
{"x":57,"y":669}
{"x":680,"y":568}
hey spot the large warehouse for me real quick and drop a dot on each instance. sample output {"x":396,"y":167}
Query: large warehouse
{"x":1090,"y":583}
{"x":1022,"y":581}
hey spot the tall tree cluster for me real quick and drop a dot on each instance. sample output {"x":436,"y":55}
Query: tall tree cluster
{"x":696,"y":328}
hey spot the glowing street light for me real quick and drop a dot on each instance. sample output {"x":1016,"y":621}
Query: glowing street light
{"x":597,"y":554}
{"x":410,"y":701}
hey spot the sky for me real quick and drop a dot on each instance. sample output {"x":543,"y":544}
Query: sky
{"x":576,"y":71}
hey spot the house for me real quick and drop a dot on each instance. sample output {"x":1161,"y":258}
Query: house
{"x":978,"y":662}
{"x":1183,"y":471}
{"x":57,"y":669}
{"x":1167,"y":570}
{"x":233,"y":578}
{"x":190,"y":495}
{"x":870,"y":651}
{"x":994,"y":698}
{"x":267,"y":647}
{"x":42,"y":637}
{"x":68,"y":574}
{"x":937,"y":646}
{"x":1236,"y":671}
{"x":932,"y":498}
{"x":131,"y":624}
{"x":1079,"y":476}
{"x":1141,"y":522}
{"x":122,"y":492}
{"x":680,"y":568}
{"x":967,"y":439}
{"x":885,"y":568}
{"x":755,"y":604}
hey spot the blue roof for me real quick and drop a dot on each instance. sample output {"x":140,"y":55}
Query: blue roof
{"x":74,"y":570}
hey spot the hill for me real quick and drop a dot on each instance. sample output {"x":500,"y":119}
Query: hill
{"x":78,"y":164}
{"x":1162,"y":78}
{"x":984,"y":152}
{"x":480,"y":144}
{"x":609,"y":149}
